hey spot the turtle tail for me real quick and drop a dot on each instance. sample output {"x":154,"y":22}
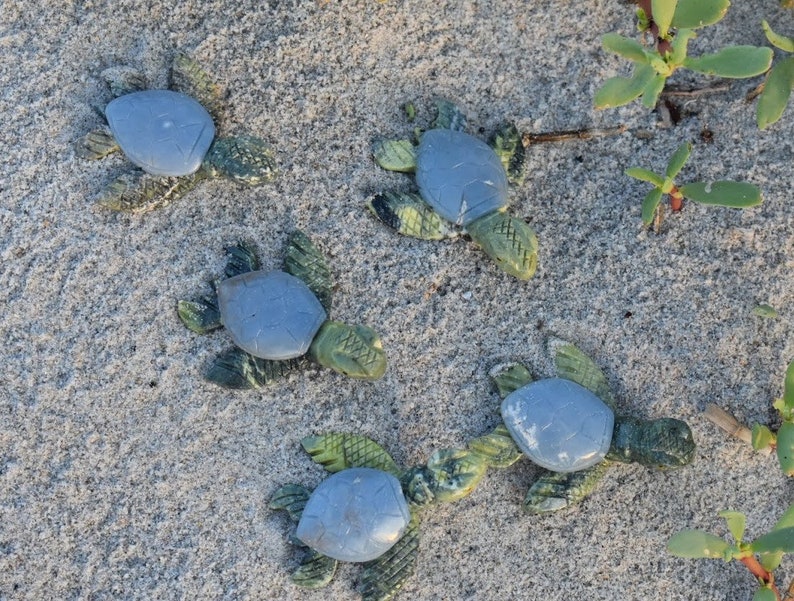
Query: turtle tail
{"x":508,"y":241}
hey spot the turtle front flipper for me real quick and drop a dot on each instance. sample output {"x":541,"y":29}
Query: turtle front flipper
{"x":339,"y":451}
{"x":96,"y":145}
{"x":237,"y":369}
{"x":509,"y":147}
{"x":411,"y":216}
{"x":508,"y":241}
{"x":557,"y":490}
{"x":142,"y":193}
{"x":353,"y":351}
{"x":188,"y":77}
{"x":449,"y":116}
{"x":244,"y":159}
{"x":200,"y":316}
{"x":573,"y":364}
{"x":395,"y":155}
{"x":316,"y":570}
{"x":383,"y":577}
{"x":241,"y":259}
{"x":124,"y":80}
{"x":304,"y":261}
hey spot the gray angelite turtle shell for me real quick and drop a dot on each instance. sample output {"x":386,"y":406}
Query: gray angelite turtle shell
{"x":559,"y":424}
{"x":272,"y":315}
{"x":459,"y":176}
{"x":163,"y":132}
{"x":355,"y":515}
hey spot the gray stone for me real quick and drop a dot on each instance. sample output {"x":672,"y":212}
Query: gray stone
{"x":460,"y":176}
{"x":559,"y":424}
{"x":163,"y":132}
{"x":272,"y":315}
{"x":355,"y":515}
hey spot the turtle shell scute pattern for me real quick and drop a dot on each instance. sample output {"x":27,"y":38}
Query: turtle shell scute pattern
{"x":459,"y":176}
{"x":163,"y":132}
{"x":271,"y":315}
{"x":559,"y":424}
{"x":357,"y":515}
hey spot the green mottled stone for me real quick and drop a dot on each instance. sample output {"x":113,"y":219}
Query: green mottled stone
{"x":508,"y":241}
{"x":355,"y":351}
{"x":338,"y":451}
{"x":383,"y":577}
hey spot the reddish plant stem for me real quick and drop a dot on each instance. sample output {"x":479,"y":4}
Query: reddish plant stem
{"x":663,"y":46}
{"x":757,"y":570}
{"x":676,"y":200}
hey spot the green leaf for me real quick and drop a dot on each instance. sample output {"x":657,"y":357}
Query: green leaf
{"x":650,"y":95}
{"x":767,"y":311}
{"x":770,"y":561}
{"x":777,"y":40}
{"x":676,"y":162}
{"x":765,"y":594}
{"x":734,"y":62}
{"x":736,"y":523}
{"x":762,"y":437}
{"x":777,"y":541}
{"x":618,"y":91}
{"x":736,"y":195}
{"x":680,"y":43}
{"x":692,"y":14}
{"x":777,"y":89}
{"x":785,"y":447}
{"x":786,"y":520}
{"x":696,"y":544}
{"x":625,"y":47}
{"x":788,"y":387}
{"x":645,"y":175}
{"x":649,"y":204}
{"x":663,"y":11}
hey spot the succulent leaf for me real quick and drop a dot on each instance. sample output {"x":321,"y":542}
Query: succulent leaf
{"x":736,"y":523}
{"x":663,"y":11}
{"x":779,"y":41}
{"x":677,"y":161}
{"x":679,"y":45}
{"x":618,"y":91}
{"x":625,"y":47}
{"x":762,"y":437}
{"x":777,"y":541}
{"x":765,"y":310}
{"x":338,"y":451}
{"x":777,"y":90}
{"x":733,"y":62}
{"x":692,"y":14}
{"x":695,"y":544}
{"x":645,"y":175}
{"x":650,"y":96}
{"x":788,"y":387}
{"x":736,"y":195}
{"x":649,"y":205}
{"x":785,"y":447}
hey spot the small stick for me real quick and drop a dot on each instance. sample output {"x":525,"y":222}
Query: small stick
{"x":728,"y":423}
{"x":715,"y":88}
{"x":573,"y":134}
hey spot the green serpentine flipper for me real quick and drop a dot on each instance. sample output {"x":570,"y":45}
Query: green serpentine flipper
{"x":449,"y":116}
{"x":245,"y":159}
{"x":557,"y":490}
{"x":338,"y":451}
{"x":96,"y":145}
{"x":292,"y":499}
{"x":241,"y":258}
{"x":510,"y":377}
{"x":509,"y":147}
{"x":508,"y":241}
{"x":411,"y":216}
{"x":239,"y":370}
{"x":141,"y":193}
{"x":316,"y":570}
{"x":200,"y":316}
{"x":190,"y":79}
{"x":573,"y":364}
{"x":384,"y":576}
{"x":395,"y":155}
{"x":304,"y":261}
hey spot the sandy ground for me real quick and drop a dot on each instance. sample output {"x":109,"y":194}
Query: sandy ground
{"x":124,"y":475}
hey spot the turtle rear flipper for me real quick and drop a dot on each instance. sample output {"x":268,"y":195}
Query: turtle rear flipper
{"x":508,"y":241}
{"x":239,"y":370}
{"x":245,"y":159}
{"x":384,"y":576}
{"x":557,"y":490}
{"x":449,"y":116}
{"x":411,"y":216}
{"x":509,"y":147}
{"x":200,"y":316}
{"x":190,"y":79}
{"x":96,"y":145}
{"x":241,"y":259}
{"x":141,"y":193}
{"x":304,"y":261}
{"x":338,"y":451}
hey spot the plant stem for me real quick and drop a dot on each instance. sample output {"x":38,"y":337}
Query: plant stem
{"x":757,"y":570}
{"x":573,"y":134}
{"x":663,"y":46}
{"x":676,"y":200}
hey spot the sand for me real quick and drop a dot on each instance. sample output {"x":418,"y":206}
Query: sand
{"x":124,"y":475}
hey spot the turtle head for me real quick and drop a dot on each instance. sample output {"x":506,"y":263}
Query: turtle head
{"x":245,"y":159}
{"x":450,"y":474}
{"x":510,"y":242}
{"x":355,"y":351}
{"x":665,"y":443}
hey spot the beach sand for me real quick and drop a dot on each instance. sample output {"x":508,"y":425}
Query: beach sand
{"x":124,"y":475}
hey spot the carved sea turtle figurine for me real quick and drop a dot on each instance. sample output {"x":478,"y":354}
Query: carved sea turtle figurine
{"x":278,"y":318}
{"x":367,"y":510}
{"x":170,"y":136}
{"x":463,"y":184}
{"x":568,"y":426}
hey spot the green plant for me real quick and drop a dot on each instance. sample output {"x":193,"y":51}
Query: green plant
{"x":779,"y":81}
{"x":761,"y":556}
{"x":672,"y":24}
{"x":783,"y":440}
{"x":736,"y":195}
